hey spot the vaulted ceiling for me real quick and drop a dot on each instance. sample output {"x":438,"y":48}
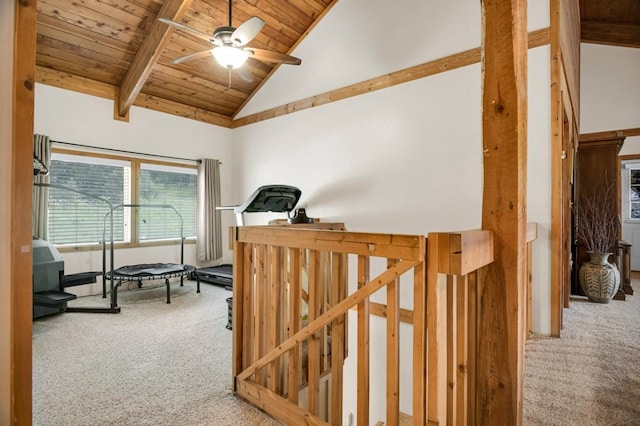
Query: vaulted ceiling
{"x":118,"y":49}
{"x":122,"y":44}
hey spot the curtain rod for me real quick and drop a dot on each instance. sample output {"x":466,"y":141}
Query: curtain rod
{"x":126,"y":152}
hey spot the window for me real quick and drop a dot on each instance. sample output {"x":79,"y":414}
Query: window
{"x":77,"y":219}
{"x":634,"y":193}
{"x":173,"y":186}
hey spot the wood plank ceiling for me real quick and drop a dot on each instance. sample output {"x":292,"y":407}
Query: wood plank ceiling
{"x":612,"y":22}
{"x":92,"y":45}
{"x":119,"y":50}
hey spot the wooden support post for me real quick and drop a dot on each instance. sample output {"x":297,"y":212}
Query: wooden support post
{"x":21,"y":176}
{"x":504,"y":116}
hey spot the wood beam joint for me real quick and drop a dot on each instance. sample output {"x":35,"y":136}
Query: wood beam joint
{"x":148,"y":54}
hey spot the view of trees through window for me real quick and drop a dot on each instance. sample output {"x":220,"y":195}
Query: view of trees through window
{"x":78,"y":219}
{"x":170,"y":188}
{"x":75,"y":218}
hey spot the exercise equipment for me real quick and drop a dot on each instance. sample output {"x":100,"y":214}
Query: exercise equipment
{"x":50,"y":281}
{"x":267,"y":198}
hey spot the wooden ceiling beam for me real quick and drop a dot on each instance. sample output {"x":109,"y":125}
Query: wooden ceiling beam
{"x":108,"y":91}
{"x":611,"y":134}
{"x":626,"y":35}
{"x":148,"y":54}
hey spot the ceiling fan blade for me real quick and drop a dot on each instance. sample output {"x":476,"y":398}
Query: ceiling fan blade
{"x":270,"y":56}
{"x":190,"y":30}
{"x":245,"y":74}
{"x":192,"y":56}
{"x":247,"y":31}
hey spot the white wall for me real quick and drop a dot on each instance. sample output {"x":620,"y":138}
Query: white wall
{"x":610,"y":91}
{"x":68,"y":116}
{"x":609,"y":88}
{"x":539,"y":185}
{"x":6,"y":136}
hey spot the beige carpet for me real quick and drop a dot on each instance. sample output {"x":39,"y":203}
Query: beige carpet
{"x":591,"y":375}
{"x":152,"y":364}
{"x":159,"y":364}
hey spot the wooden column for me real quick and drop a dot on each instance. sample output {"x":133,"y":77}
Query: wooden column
{"x":500,"y":351}
{"x":21,"y":207}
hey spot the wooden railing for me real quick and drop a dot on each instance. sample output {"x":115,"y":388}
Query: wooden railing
{"x":290,"y":304}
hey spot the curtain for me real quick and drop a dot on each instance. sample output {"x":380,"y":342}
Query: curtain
{"x":208,"y":222}
{"x":42,"y":151}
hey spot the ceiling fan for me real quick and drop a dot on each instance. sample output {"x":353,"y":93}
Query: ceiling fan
{"x":229,"y":45}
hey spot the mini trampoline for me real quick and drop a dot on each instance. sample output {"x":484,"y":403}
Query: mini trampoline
{"x":151,"y":271}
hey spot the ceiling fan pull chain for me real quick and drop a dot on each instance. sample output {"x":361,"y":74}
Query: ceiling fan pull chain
{"x":229,"y":86}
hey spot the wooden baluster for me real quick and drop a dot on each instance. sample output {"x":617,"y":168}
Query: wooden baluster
{"x":393,"y":349}
{"x":437,"y":332}
{"x":272,"y":292}
{"x":261,"y":311}
{"x":472,"y":336}
{"x":283,"y":318}
{"x":363,"y":345}
{"x":452,"y":350}
{"x":295,"y":321}
{"x":238,"y":318}
{"x":337,"y":339}
{"x":313,"y":356}
{"x":462,"y":346}
{"x":419,"y":404}
{"x":249,"y":313}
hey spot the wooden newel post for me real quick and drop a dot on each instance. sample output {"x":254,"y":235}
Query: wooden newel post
{"x":501,"y":288}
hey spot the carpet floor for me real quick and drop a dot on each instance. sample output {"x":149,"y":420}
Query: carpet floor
{"x":590,"y":376}
{"x":170,"y":364}
{"x":151,"y":364}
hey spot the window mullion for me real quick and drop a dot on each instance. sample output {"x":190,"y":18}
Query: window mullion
{"x":135,"y":199}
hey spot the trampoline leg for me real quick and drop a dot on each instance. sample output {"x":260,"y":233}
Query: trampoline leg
{"x":168,"y":290}
{"x":114,"y":295}
{"x":198,"y":281}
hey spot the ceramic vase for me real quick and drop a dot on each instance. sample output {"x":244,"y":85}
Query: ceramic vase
{"x":599,"y":279}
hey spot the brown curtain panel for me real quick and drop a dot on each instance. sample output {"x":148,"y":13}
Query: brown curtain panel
{"x":208,"y":223}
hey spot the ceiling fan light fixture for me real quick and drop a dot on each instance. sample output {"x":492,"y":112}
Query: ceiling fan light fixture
{"x":229,"y":57}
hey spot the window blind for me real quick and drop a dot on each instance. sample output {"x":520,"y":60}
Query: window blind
{"x":76,"y":219}
{"x":175,"y":186}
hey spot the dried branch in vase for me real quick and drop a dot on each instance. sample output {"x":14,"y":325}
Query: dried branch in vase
{"x":597,"y":221}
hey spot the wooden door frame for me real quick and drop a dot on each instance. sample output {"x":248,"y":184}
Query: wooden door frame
{"x":21,"y":287}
